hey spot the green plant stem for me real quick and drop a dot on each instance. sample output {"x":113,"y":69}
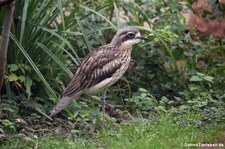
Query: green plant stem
{"x":5,"y":40}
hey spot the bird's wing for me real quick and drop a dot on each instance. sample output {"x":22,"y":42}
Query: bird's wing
{"x":102,"y":63}
{"x":99,"y":65}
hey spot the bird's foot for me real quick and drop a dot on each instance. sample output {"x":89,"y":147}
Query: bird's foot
{"x":112,"y":107}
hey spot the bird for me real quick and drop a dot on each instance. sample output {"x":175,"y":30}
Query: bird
{"x":101,"y":68}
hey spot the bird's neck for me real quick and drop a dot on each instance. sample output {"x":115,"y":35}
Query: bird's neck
{"x":122,"y":47}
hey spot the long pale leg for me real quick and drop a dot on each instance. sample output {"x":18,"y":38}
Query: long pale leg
{"x":103,"y":104}
{"x":112,"y":107}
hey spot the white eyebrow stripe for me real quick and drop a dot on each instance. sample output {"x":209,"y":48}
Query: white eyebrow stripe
{"x":123,"y":36}
{"x":138,"y":34}
{"x":130,"y":32}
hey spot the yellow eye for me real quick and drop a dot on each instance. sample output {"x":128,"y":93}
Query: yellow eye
{"x":131,"y":35}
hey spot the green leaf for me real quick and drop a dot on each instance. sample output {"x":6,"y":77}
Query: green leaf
{"x":193,"y":87}
{"x":200,"y":74}
{"x":164,"y":99}
{"x":143,"y":95}
{"x":160,"y":109}
{"x":13,"y":67}
{"x":143,"y":90}
{"x":195,"y":79}
{"x":13,"y":77}
{"x":166,"y":46}
{"x":209,"y":79}
{"x":22,"y":78}
{"x":6,"y":122}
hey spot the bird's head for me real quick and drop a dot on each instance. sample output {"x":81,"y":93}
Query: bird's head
{"x":127,"y":36}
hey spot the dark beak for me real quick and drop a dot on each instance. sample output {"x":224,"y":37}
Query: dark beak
{"x":142,"y":37}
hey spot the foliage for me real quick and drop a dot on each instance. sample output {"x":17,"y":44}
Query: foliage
{"x":173,"y":70}
{"x":154,"y":132}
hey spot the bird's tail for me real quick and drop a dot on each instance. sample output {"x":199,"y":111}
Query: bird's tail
{"x":61,"y":105}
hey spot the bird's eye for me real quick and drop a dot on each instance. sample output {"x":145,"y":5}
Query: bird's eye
{"x":131,"y":35}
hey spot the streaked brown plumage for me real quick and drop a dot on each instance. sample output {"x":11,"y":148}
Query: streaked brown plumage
{"x":101,"y":68}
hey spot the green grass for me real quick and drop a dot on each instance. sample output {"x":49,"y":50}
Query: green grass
{"x":163,"y":132}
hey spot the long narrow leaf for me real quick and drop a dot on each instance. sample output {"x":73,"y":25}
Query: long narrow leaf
{"x":99,"y":14}
{"x":60,"y":7}
{"x":141,"y":11}
{"x":77,"y":60}
{"x":56,"y":59}
{"x":68,"y":53}
{"x":117,"y":15}
{"x":24,"y":16}
{"x":84,"y":34}
{"x":33,"y":65}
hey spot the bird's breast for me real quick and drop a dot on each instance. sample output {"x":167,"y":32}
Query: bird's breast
{"x":124,"y":58}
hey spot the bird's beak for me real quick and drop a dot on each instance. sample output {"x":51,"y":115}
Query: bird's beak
{"x":142,"y":37}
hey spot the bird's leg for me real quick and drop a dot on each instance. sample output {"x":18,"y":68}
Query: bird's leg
{"x":103,"y":104}
{"x":112,"y":107}
{"x":96,"y":100}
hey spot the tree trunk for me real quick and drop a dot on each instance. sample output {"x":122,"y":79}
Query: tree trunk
{"x":5,"y":40}
{"x":4,"y":2}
